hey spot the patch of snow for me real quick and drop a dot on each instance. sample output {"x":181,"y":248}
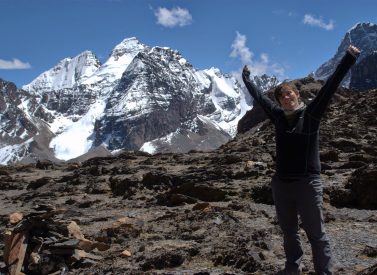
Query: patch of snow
{"x":121,"y":56}
{"x":66,"y":74}
{"x":182,"y":61}
{"x":211,"y":122}
{"x":13,"y":153}
{"x":115,"y":152}
{"x":60,"y":123}
{"x":202,"y":78}
{"x":74,"y":140}
{"x":24,"y":134}
{"x":148,"y":147}
{"x":225,"y":85}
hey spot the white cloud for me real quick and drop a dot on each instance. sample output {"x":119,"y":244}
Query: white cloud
{"x":240,"y":49}
{"x":174,"y":17}
{"x":318,"y":22}
{"x":13,"y":64}
{"x":257,"y":67}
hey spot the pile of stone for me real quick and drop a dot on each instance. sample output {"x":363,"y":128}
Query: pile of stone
{"x":42,"y":243}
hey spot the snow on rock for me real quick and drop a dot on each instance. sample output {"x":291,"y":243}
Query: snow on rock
{"x":75,"y":93}
{"x":75,"y":139}
{"x":14,"y":153}
{"x":121,"y":56}
{"x":66,"y":74}
{"x":229,"y":100}
{"x":148,"y":148}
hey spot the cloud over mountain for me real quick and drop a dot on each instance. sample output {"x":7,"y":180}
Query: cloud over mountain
{"x":173,"y":17}
{"x":257,"y":66}
{"x":14,"y":64}
{"x":318,"y":22}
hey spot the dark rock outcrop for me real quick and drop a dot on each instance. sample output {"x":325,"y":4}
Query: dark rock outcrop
{"x":363,"y":186}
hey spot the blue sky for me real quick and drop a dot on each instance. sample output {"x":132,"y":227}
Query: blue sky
{"x":288,"y":38}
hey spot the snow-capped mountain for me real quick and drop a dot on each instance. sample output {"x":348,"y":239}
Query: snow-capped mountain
{"x":160,"y":93}
{"x":141,"y":98}
{"x":67,"y":74}
{"x":265,"y":82}
{"x":76,"y":105}
{"x":108,"y":75}
{"x":85,"y":69}
{"x":24,"y":126}
{"x":363,"y":36}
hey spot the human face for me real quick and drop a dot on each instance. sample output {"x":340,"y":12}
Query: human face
{"x":289,"y":100}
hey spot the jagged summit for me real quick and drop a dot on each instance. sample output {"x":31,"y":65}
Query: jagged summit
{"x":362,"y":26}
{"x":127,"y":46}
{"x":111,"y":71}
{"x":159,"y":93}
{"x":361,"y":35}
{"x":265,"y":82}
{"x":66,"y":74}
{"x":86,"y":69}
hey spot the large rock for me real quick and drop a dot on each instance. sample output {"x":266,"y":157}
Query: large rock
{"x":363,"y":184}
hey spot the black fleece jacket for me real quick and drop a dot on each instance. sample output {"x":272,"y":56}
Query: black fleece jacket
{"x":297,"y":146}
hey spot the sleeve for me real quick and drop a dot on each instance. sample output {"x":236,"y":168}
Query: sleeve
{"x":270,"y":108}
{"x":319,"y":104}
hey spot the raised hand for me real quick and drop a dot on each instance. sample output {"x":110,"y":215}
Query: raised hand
{"x":246,"y":71}
{"x":353,"y":50}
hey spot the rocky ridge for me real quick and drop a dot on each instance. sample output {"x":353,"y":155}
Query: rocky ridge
{"x":363,"y":36}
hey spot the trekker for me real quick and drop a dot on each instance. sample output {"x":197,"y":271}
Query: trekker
{"x":296,"y":185}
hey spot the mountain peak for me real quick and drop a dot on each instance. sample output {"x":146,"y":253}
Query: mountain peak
{"x":111,"y":71}
{"x":361,"y":35}
{"x":127,"y":46}
{"x":68,"y":72}
{"x":361,"y":26}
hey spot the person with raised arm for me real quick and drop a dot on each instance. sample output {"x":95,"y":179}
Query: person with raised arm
{"x":296,"y":186}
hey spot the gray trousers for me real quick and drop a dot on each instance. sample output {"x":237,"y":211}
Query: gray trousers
{"x":302,"y":196}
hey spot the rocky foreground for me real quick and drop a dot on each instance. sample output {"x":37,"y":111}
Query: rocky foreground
{"x":194,"y":213}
